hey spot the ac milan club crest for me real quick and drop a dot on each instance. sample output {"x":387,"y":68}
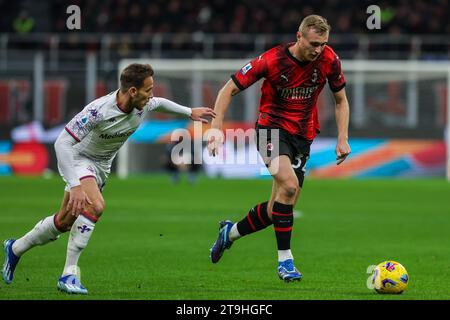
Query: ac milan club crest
{"x":314,"y":76}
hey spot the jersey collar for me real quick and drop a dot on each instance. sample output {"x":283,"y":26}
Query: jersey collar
{"x":289,"y":54}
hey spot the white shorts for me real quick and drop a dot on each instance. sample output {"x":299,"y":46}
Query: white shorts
{"x":86,"y":168}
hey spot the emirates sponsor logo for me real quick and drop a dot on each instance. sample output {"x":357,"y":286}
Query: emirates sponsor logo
{"x":297,"y":93}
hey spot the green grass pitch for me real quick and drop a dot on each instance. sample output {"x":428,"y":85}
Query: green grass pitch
{"x":153,"y":240}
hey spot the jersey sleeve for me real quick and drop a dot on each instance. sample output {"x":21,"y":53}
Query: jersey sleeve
{"x":153,"y":104}
{"x":84,"y":122}
{"x":336,"y":79}
{"x":166,"y":105}
{"x":250,"y":73}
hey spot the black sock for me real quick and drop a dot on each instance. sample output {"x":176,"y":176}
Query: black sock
{"x":256,"y":219}
{"x":283,"y":220}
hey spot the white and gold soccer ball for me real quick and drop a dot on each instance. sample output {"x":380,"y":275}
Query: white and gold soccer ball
{"x":390,"y":277}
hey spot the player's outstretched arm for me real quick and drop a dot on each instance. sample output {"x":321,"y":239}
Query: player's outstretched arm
{"x":342,"y":120}
{"x":167,"y":106}
{"x":223,"y":101}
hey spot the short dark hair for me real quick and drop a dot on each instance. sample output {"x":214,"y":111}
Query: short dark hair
{"x":134,"y":76}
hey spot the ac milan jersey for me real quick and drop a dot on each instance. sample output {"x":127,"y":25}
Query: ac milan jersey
{"x":291,"y":88}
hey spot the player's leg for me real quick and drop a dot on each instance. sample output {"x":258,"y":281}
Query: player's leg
{"x":287,"y":186}
{"x":64,"y":220}
{"x":283,"y":198}
{"x":84,"y":225}
{"x":80,"y":233}
{"x":256,"y":219}
{"x":259,"y":217}
{"x":45,"y":231}
{"x":286,"y":190}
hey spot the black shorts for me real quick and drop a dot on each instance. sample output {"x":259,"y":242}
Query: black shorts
{"x":269,"y":140}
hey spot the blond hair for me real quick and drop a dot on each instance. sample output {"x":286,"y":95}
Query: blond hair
{"x":316,"y":22}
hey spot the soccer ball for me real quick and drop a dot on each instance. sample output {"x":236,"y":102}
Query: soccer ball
{"x":390,"y":277}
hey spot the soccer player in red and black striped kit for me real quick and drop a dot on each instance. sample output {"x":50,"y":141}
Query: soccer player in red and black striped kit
{"x":294,"y":75}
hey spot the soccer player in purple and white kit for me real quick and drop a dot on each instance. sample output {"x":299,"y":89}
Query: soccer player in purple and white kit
{"x":85,"y":150}
{"x":294,"y":74}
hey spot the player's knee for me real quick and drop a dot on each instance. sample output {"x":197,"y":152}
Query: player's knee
{"x":290,"y":188}
{"x":97,"y":207}
{"x":290,"y":192}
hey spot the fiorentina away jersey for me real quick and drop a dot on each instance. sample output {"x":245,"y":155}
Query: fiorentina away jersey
{"x":101,"y":128}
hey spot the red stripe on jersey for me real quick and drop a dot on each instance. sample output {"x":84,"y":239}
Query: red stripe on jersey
{"x":287,"y":229}
{"x":73,"y":136}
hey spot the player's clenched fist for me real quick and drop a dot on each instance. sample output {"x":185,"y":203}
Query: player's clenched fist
{"x":342,"y":151}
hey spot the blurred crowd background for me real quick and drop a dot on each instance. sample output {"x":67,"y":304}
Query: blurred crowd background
{"x":48,"y":72}
{"x":224,"y":16}
{"x":34,"y":36}
{"x":222,"y":28}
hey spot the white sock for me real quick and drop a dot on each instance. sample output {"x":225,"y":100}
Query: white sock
{"x":234,"y":233}
{"x":43,"y":232}
{"x":283,"y":255}
{"x":79,"y":237}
